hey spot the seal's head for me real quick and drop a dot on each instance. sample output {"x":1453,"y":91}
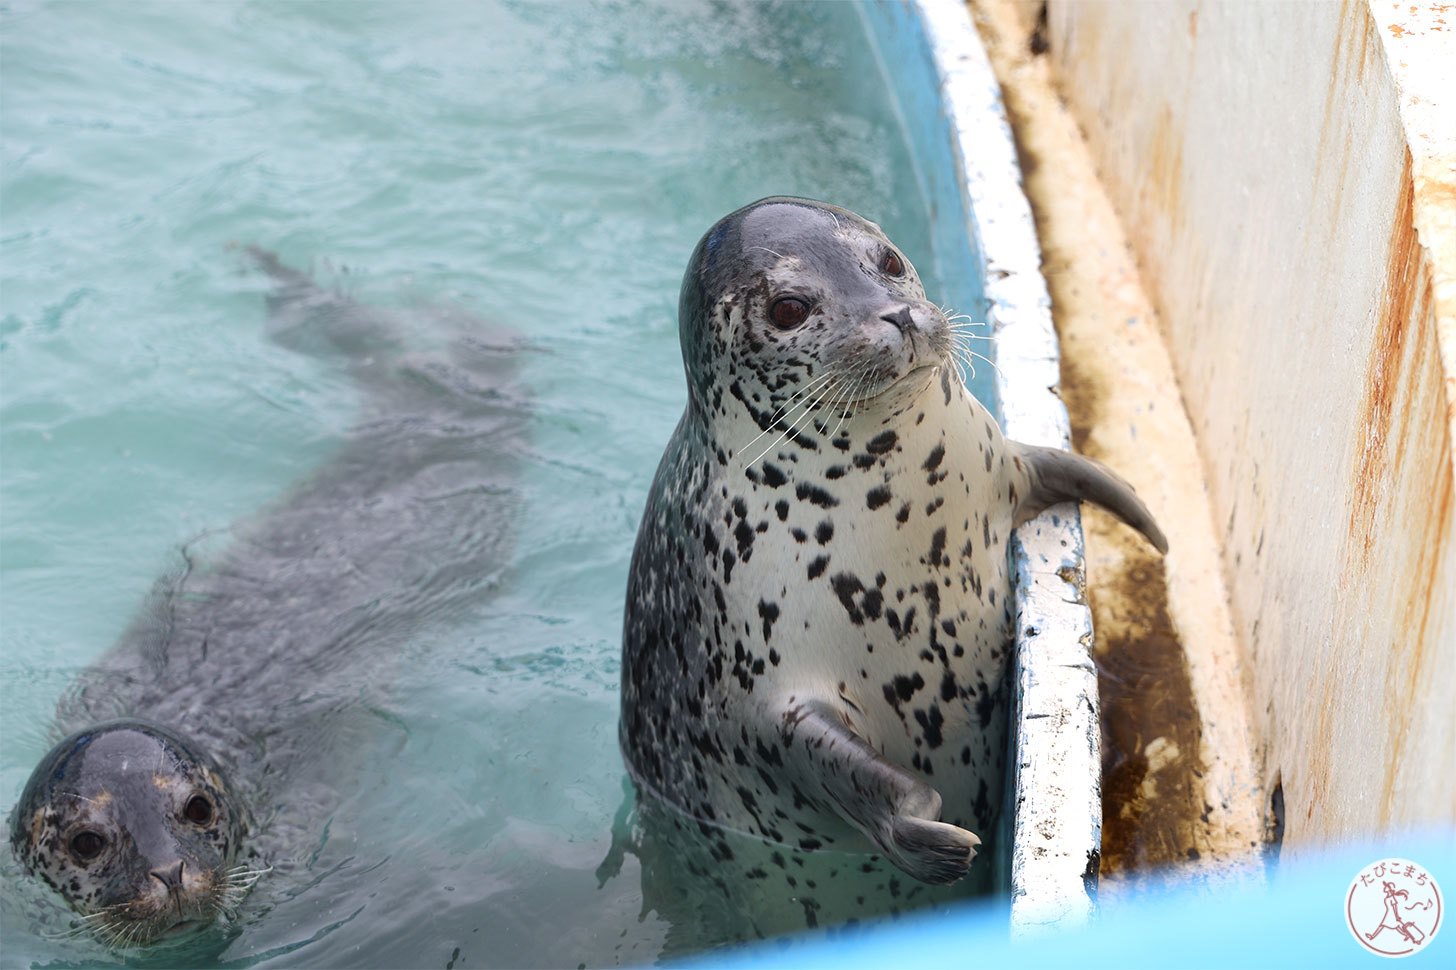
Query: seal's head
{"x":789,"y":295}
{"x":136,"y":828}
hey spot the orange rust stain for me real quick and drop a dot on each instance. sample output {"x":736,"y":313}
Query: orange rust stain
{"x":1373,"y":466}
{"x":1338,"y":205}
{"x":1332,"y":89}
{"x":1340,"y":32}
{"x":1365,"y":22}
{"x":1433,"y":529}
{"x":1165,"y":166}
{"x":1399,"y":442}
{"x":1318,"y":761}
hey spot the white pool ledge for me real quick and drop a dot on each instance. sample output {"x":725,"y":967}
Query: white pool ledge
{"x":1048,"y":850}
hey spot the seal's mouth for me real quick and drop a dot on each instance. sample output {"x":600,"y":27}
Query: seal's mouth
{"x":184,"y":927}
{"x":120,"y":927}
{"x":922,"y":371}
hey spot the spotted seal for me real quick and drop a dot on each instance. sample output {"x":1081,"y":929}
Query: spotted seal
{"x":205,"y":748}
{"x":819,"y":611}
{"x":137,"y":828}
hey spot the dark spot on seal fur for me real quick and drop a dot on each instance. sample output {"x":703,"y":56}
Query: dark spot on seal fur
{"x":871,"y":603}
{"x":930,"y":722}
{"x":846,"y":586}
{"x":902,"y":688}
{"x":877,"y":497}
{"x":985,"y":707}
{"x":769,"y":612}
{"x":743,"y":534}
{"x":982,"y":805}
{"x":937,"y":549}
{"x":813,"y":493}
{"x":881,"y":443}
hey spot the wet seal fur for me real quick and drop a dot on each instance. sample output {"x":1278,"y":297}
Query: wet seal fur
{"x":819,"y":611}
{"x":137,"y":828}
{"x":201,"y":744}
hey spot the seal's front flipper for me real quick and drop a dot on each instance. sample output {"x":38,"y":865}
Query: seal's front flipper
{"x":895,"y":809}
{"x":1056,"y":476}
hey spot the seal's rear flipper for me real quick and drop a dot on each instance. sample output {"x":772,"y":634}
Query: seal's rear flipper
{"x":310,"y":319}
{"x":1056,"y":476}
{"x":896,"y":810}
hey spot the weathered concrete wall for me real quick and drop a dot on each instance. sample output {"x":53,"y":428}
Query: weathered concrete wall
{"x":1300,"y":256}
{"x":1181,"y":795}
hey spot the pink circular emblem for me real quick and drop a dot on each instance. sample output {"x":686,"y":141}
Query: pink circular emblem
{"x":1393,"y":907}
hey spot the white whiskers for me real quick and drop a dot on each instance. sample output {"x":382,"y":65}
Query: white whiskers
{"x":851,"y":393}
{"x":118,"y":927}
{"x":809,"y":406}
{"x":817,"y":382}
{"x":961,"y":328}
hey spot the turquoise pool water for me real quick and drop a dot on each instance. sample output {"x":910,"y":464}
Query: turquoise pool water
{"x":545,"y":166}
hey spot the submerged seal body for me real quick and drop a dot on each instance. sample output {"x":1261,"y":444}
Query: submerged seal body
{"x":198,"y":751}
{"x":819,"y":611}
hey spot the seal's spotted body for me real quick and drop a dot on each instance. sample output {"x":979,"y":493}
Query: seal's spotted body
{"x":818,"y":614}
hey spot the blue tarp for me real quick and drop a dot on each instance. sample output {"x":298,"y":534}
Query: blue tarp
{"x":1296,"y":919}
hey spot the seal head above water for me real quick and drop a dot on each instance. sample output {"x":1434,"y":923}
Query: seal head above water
{"x":137,"y":828}
{"x":819,"y":610}
{"x":215,"y":740}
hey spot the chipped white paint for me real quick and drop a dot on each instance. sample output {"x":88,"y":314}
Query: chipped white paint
{"x":1053,"y":809}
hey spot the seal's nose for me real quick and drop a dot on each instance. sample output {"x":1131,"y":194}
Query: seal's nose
{"x":900,"y":318}
{"x":169,"y":876}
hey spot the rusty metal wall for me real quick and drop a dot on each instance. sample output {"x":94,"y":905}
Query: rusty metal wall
{"x":1258,"y":159}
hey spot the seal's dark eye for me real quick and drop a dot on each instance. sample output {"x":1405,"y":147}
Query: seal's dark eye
{"x":891,"y":264}
{"x":788,"y":312}
{"x":198,"y":810}
{"x":87,"y":845}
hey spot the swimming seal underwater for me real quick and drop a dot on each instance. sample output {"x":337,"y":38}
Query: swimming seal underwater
{"x":818,"y":614}
{"x":195,"y":748}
